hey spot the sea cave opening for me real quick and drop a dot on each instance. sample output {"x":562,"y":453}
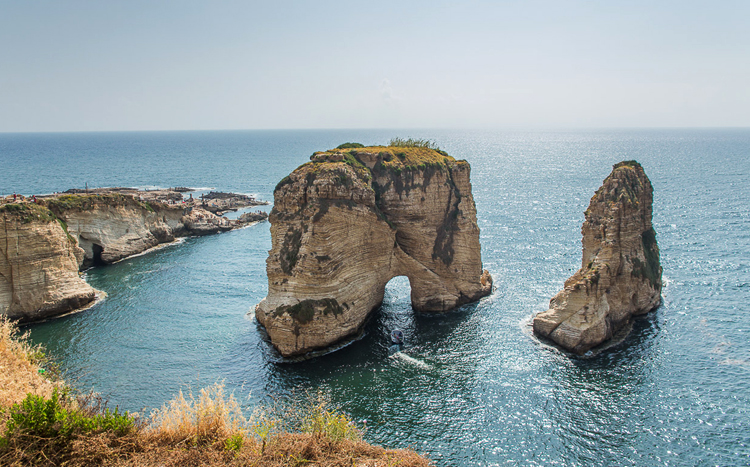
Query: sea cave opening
{"x":97,"y":251}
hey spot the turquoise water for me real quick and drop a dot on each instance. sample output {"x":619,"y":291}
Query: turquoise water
{"x":473,"y":386}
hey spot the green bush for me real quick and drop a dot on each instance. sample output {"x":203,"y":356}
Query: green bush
{"x":350,"y":146}
{"x":234,"y":443}
{"x":37,"y":417}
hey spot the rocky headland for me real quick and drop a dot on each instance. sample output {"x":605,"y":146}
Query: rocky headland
{"x":39,"y":264}
{"x":350,"y":220}
{"x":45,"y":241}
{"x":620,"y":275}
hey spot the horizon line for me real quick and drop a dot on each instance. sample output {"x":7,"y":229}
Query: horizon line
{"x":501,"y":129}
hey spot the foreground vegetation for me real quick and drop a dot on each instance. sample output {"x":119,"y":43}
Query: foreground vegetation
{"x":43,"y":423}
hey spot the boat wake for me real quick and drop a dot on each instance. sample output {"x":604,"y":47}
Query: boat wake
{"x":401,"y":356}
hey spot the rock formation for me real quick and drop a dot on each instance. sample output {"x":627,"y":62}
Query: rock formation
{"x":347,"y":222}
{"x":38,"y":265}
{"x":620,"y":275}
{"x":113,"y":226}
{"x":44,"y":244}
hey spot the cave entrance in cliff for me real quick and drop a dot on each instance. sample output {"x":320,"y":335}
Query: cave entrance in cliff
{"x":97,"y":251}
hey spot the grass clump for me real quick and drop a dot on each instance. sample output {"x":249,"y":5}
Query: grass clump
{"x":323,"y":421}
{"x":350,"y":146}
{"x":61,"y":418}
{"x":211,"y":418}
{"x":413,"y":143}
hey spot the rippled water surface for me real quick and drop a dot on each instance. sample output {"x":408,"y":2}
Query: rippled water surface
{"x":473,"y":387}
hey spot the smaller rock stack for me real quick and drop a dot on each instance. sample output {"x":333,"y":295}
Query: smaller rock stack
{"x":620,"y":275}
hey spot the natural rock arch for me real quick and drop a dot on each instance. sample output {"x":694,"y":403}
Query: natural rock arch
{"x":346,"y":223}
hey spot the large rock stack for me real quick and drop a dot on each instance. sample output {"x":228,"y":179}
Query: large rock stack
{"x":347,"y":222}
{"x":620,"y":275}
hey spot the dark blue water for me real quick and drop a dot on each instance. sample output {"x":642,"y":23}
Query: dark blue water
{"x":473,"y":388}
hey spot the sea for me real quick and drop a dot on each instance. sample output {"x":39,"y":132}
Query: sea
{"x":473,"y":387}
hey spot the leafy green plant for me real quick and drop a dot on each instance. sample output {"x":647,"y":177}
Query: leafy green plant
{"x":234,"y":443}
{"x":43,"y":429}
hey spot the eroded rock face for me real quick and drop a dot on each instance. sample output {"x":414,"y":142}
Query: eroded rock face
{"x":346,"y":223}
{"x":620,"y":275}
{"x":44,"y":244}
{"x":38,"y":266}
{"x":110,"y":227}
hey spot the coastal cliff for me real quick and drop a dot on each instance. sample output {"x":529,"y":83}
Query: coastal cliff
{"x":113,"y":226}
{"x":347,"y":222}
{"x":39,"y":264}
{"x":620,"y":275}
{"x":45,"y":243}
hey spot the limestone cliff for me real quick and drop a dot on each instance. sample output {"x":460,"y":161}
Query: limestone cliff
{"x":620,"y":274}
{"x":38,"y":265}
{"x":113,"y":226}
{"x":41,"y":258}
{"x":347,"y":222}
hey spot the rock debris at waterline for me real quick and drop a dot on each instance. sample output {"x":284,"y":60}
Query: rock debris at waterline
{"x":347,"y":222}
{"x":620,"y":275}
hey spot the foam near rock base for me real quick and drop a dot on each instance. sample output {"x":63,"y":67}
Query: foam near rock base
{"x":620,"y":275}
{"x":347,"y":222}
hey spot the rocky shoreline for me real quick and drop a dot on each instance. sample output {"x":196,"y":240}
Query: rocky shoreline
{"x":46,"y":240}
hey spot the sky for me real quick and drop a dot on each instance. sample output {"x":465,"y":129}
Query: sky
{"x":205,"y":65}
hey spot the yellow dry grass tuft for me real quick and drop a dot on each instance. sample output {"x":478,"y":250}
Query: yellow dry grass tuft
{"x":209,"y":418}
{"x":19,"y":366}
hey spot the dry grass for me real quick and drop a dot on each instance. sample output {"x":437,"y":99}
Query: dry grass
{"x":204,"y":430}
{"x":19,"y":366}
{"x":209,"y":418}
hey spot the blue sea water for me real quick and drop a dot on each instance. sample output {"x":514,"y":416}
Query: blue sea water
{"x":473,"y":386}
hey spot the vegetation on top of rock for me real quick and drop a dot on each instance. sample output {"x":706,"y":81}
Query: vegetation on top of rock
{"x":413,"y":143}
{"x":91,"y":201}
{"x":626,"y":164}
{"x":28,"y":212}
{"x":350,"y":146}
{"x":624,"y":183}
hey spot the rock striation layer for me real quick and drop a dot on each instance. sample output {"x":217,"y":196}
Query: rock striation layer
{"x":347,"y":222}
{"x":620,"y":275}
{"x":38,"y":265}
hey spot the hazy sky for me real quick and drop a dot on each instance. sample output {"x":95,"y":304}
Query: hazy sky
{"x":159,"y":65}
